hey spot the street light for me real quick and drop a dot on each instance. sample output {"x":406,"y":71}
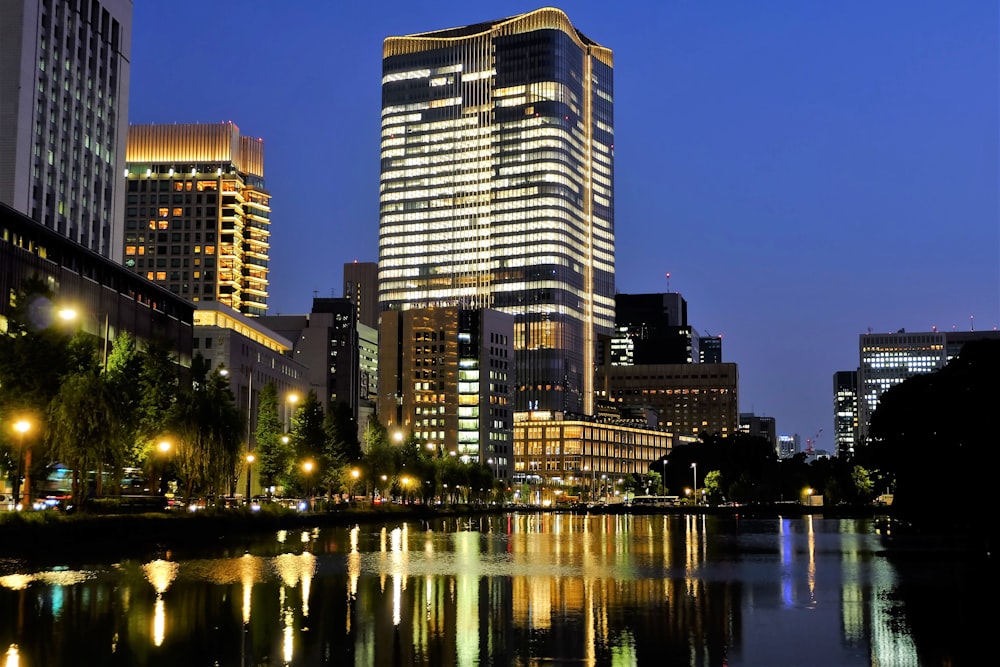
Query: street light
{"x":307,"y":467}
{"x":292,"y":399}
{"x":355,"y":474}
{"x":664,"y":480}
{"x":250,"y":459}
{"x":405,"y":482}
{"x":694,"y":466}
{"x":22,"y":426}
{"x":397,"y":435}
{"x":70,"y":315}
{"x":164,"y":447}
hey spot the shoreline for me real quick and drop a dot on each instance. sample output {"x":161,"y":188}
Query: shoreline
{"x":28,"y":536}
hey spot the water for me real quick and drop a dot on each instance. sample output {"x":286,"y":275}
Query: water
{"x":518,"y":589}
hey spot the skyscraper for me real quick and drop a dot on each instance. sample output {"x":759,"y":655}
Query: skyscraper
{"x":197,"y":217}
{"x":845,"y":412}
{"x":64,"y":81}
{"x":497,"y":189}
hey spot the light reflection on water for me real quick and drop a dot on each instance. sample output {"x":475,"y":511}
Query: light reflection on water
{"x":519,"y":589}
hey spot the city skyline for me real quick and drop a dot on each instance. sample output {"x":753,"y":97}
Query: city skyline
{"x":802,"y":173}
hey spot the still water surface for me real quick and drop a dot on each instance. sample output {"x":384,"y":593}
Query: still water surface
{"x":517,"y":589}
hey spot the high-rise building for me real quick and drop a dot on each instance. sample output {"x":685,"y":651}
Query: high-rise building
{"x":651,"y":329}
{"x":197,"y":215}
{"x":845,"y":412}
{"x":64,"y":82}
{"x":890,"y":358}
{"x":497,"y":189}
{"x":336,"y":350}
{"x":445,"y":378}
{"x":361,"y":288}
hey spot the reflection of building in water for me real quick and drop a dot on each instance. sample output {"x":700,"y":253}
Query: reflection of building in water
{"x":584,"y":454}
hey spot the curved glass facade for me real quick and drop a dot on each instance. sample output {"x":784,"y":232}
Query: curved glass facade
{"x":497,"y":189}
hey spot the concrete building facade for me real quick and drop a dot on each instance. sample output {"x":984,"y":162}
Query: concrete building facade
{"x":197,"y":214}
{"x":64,"y":87}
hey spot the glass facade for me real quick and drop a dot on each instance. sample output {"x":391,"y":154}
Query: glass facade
{"x":497,"y":189}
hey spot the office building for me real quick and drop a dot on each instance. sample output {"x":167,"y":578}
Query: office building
{"x":757,"y":426}
{"x":690,"y":399}
{"x":581,"y":455}
{"x":497,"y":189}
{"x":845,"y":412}
{"x":64,"y":83}
{"x":709,"y":349}
{"x":788,"y":446}
{"x":252,"y":354}
{"x":445,"y":377}
{"x":107,"y":298}
{"x":197,"y":215}
{"x":337,"y":352}
{"x":887,"y":359}
{"x":651,"y":329}
{"x":361,"y":288}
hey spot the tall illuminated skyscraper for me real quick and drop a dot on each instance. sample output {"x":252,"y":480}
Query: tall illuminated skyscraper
{"x":64,"y":82}
{"x":197,"y":216}
{"x":497,"y":189}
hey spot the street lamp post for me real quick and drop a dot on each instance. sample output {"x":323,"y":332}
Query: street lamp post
{"x":664,"y":480}
{"x":22,"y":426}
{"x":307,"y":467}
{"x":164,"y":447}
{"x":694,"y":467}
{"x":355,"y":473}
{"x":250,"y":459}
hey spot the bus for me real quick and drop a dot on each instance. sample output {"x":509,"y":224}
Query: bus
{"x":654,"y":501}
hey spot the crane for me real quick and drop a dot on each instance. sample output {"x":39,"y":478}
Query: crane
{"x":811,"y":443}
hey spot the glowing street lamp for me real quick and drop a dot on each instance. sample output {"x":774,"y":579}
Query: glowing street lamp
{"x":355,"y":474}
{"x":70,"y":314}
{"x":307,"y":467}
{"x":23,"y":461}
{"x":250,"y":459}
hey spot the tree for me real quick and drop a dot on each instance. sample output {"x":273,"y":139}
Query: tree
{"x":930,"y":436}
{"x":307,"y":438}
{"x":81,"y":419}
{"x":208,"y":429}
{"x":274,"y":456}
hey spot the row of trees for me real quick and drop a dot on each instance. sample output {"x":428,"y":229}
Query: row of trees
{"x":99,"y":412}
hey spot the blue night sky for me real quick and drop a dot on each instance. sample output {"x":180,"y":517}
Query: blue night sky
{"x":803,"y":170}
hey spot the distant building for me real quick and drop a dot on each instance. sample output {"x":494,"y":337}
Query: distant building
{"x":556,"y":452}
{"x":788,"y":446}
{"x":690,"y":399}
{"x":108,"y":299}
{"x":64,"y":86}
{"x":651,"y":329}
{"x":331,"y":344}
{"x":890,"y":358}
{"x":845,"y":412}
{"x":197,"y":215}
{"x":361,"y":288}
{"x":446,"y":377}
{"x":252,"y":355}
{"x":759,"y":427}
{"x":710,"y":349}
{"x":497,"y":189}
